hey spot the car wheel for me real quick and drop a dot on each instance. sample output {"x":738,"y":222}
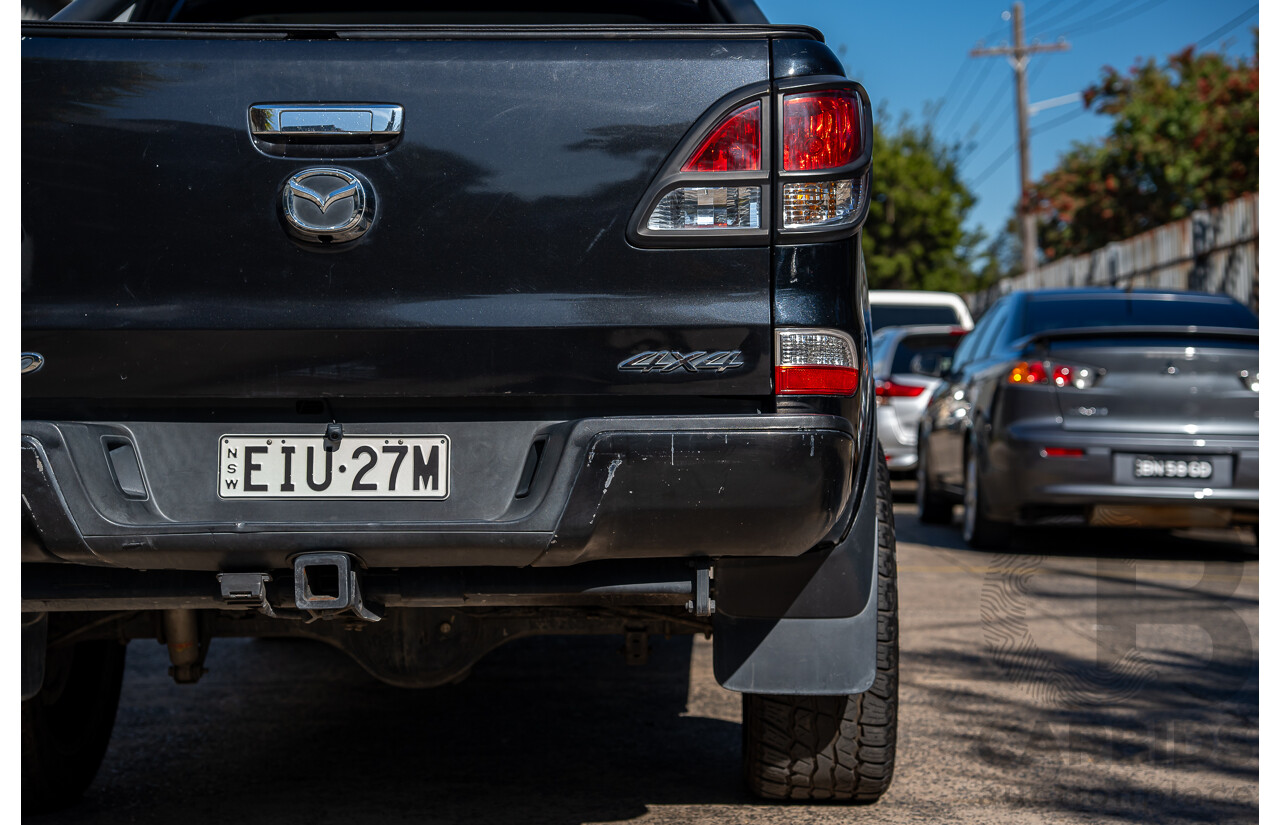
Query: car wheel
{"x":66,"y":726}
{"x":838,"y":748}
{"x":931,"y":507}
{"x":979,"y":531}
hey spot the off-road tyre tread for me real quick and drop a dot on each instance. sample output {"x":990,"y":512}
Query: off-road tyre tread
{"x":64,"y":740}
{"x":836,"y":748}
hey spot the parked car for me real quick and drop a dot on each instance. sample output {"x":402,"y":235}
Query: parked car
{"x":1097,"y":407}
{"x":349,"y":322}
{"x":905,"y":307}
{"x":906,"y":361}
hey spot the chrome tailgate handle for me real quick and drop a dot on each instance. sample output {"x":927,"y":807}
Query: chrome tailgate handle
{"x":335,"y":122}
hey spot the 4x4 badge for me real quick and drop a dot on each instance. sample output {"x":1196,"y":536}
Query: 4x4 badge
{"x":668,"y":360}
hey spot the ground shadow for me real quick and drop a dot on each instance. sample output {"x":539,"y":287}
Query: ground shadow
{"x":551,"y":729}
{"x":1162,"y":753}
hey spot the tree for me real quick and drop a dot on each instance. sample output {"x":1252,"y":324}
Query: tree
{"x":914,"y":236}
{"x":1184,"y":137}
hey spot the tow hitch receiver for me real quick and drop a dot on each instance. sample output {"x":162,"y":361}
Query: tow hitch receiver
{"x":326,"y":584}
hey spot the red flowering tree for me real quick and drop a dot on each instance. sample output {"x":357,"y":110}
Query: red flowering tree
{"x":1184,"y":137}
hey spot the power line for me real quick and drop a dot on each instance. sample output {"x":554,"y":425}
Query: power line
{"x":1042,"y":25}
{"x":1226,"y":27}
{"x":955,"y":83}
{"x":1019,"y":54}
{"x":1099,"y":22}
{"x":996,"y":164}
{"x":1008,"y":152}
{"x":992,"y":102}
{"x":1003,"y":117}
{"x":1058,"y":121}
{"x":1050,"y":6}
{"x":973,"y":88}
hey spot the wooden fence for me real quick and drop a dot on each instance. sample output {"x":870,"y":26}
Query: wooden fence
{"x":1214,"y":250}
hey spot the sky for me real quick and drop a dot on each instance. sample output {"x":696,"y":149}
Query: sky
{"x":910,"y":56}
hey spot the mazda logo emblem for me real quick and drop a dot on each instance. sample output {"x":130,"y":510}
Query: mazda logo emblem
{"x":326,"y":205}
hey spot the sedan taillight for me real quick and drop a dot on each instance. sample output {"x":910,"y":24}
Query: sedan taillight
{"x":887,"y":388}
{"x":1055,"y":373}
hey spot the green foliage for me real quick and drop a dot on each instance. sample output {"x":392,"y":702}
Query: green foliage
{"x":1184,"y":137}
{"x":914,"y":236}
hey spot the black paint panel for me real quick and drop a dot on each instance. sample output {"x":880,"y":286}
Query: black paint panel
{"x":498,"y":248}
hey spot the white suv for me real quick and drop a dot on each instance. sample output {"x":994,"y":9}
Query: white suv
{"x":902,"y":308}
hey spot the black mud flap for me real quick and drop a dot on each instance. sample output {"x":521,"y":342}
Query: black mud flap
{"x":803,"y":625}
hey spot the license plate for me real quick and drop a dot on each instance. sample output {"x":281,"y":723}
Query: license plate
{"x":1164,"y":467}
{"x":361,"y":466}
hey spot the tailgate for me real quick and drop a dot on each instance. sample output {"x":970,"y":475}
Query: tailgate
{"x":156,"y":264}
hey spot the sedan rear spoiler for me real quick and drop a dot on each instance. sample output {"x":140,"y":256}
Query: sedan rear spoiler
{"x":1192,"y":331}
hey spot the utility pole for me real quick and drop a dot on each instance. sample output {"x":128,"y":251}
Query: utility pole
{"x":1019,"y":54}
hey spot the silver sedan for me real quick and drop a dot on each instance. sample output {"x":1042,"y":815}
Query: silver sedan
{"x":899,"y":354}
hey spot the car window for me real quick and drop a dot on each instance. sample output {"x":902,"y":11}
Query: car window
{"x":934,"y":343}
{"x":910,"y":315}
{"x":964,"y":352}
{"x":993,"y":333}
{"x":1046,"y":312}
{"x":972,"y":348}
{"x":880,"y":353}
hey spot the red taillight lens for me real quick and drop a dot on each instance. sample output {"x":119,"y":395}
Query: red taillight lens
{"x":1028,"y":373}
{"x":1061,"y":452}
{"x":820,"y":130}
{"x":814,"y":362}
{"x":733,"y":146}
{"x":816,"y":380}
{"x":1059,"y":375}
{"x":892,"y":389}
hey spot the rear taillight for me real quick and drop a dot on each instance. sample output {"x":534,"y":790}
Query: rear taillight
{"x":820,"y":130}
{"x":794,"y":162}
{"x":1054,"y":373}
{"x":1249,"y":379}
{"x":1062,"y":452}
{"x":708,"y":207}
{"x":887,"y":389}
{"x":821,"y":203}
{"x":733,"y":146}
{"x":814,"y":362}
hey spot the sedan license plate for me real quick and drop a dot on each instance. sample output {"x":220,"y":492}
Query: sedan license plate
{"x":1157,"y":467}
{"x":361,"y":466}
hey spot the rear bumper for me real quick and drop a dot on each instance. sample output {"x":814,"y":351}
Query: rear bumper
{"x":1028,"y":487}
{"x":604,"y":488}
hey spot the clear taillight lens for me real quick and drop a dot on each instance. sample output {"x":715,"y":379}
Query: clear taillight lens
{"x":708,"y":207}
{"x":733,"y":146}
{"x":820,"y":130}
{"x":824,"y":203}
{"x":814,"y":362}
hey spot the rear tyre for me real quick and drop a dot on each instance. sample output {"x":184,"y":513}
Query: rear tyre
{"x":838,"y":748}
{"x":931,"y":507}
{"x":66,"y":726}
{"x":981,"y":532}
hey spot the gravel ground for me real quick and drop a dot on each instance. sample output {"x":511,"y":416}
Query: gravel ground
{"x":1084,"y":678}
